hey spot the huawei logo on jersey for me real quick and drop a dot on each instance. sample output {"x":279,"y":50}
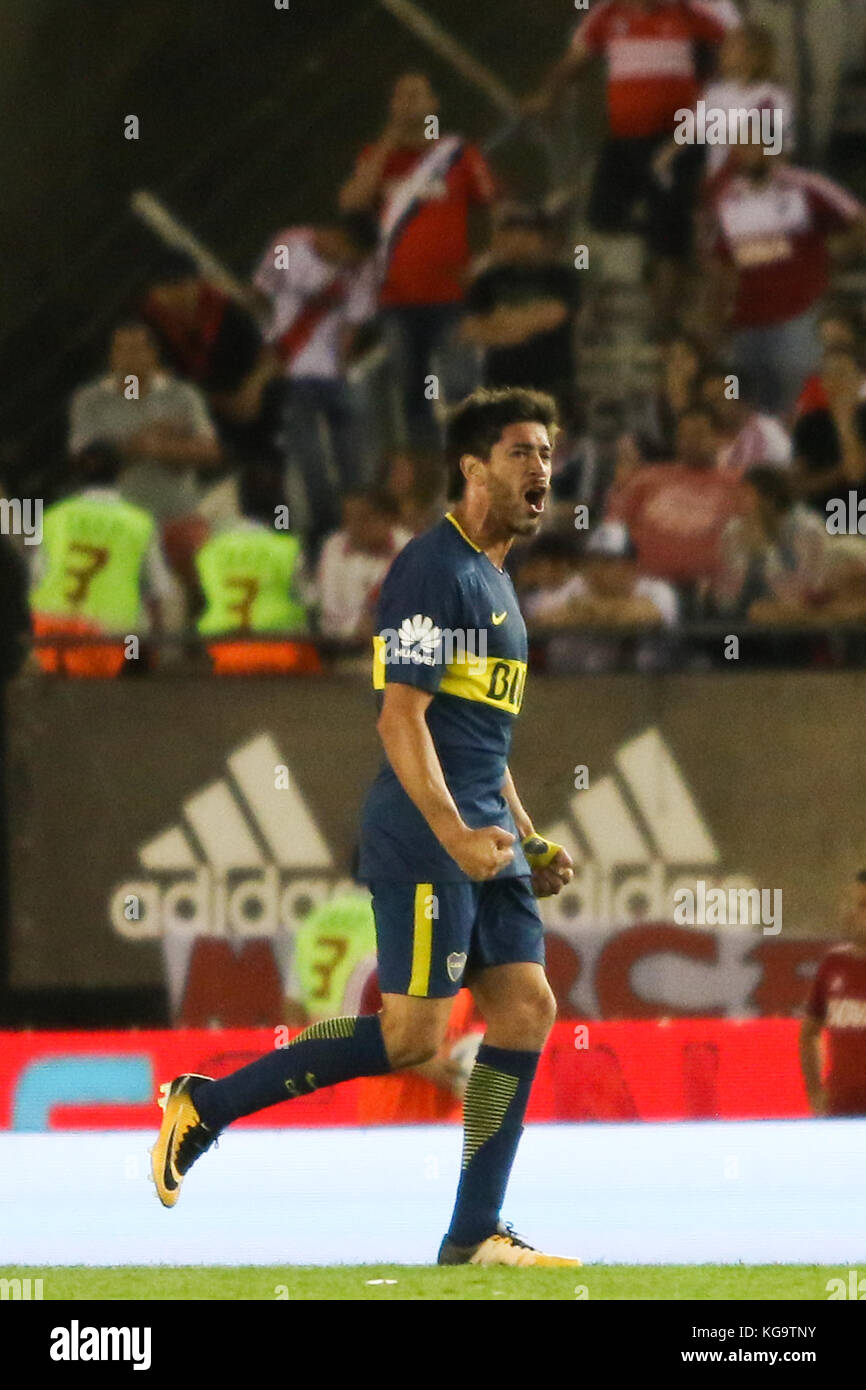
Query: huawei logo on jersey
{"x":419,"y":640}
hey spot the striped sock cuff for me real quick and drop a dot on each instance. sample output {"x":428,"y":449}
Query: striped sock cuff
{"x":493,"y":1113}
{"x":327,"y":1028}
{"x":488,"y":1096}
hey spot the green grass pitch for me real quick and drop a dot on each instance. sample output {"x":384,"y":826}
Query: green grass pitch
{"x":421,"y":1282}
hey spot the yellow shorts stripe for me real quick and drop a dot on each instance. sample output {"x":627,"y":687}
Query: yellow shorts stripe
{"x":422,"y":940}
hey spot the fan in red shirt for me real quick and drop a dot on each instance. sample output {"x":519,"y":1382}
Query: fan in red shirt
{"x":215,"y":342}
{"x":651,"y":51}
{"x":836,"y":1017}
{"x":422,"y":185}
{"x":676,"y":512}
{"x":770,"y":226}
{"x":837,"y":332}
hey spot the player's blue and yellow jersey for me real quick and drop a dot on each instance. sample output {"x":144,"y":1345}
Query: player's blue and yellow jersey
{"x":448,"y":622}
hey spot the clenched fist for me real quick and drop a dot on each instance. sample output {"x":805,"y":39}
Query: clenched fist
{"x":482,"y":853}
{"x":550,"y":880}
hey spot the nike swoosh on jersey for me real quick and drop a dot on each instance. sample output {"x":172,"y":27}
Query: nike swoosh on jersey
{"x":499,"y":618}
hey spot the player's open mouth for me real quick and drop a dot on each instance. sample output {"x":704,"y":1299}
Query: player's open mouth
{"x":534,"y":497}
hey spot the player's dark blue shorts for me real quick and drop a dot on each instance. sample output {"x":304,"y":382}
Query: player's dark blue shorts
{"x":430,"y":934}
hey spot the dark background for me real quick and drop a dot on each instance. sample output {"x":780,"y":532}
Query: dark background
{"x":250,"y":117}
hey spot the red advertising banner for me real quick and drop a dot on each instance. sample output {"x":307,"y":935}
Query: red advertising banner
{"x":682,"y":1069}
{"x":652,"y":970}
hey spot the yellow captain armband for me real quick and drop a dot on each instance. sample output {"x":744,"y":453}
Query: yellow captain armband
{"x":539,"y":852}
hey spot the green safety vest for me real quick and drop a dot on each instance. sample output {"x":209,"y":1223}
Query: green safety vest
{"x":94,"y":551}
{"x":248,"y":580}
{"x":330,"y":944}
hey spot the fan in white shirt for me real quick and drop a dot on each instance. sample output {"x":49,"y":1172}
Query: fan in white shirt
{"x":320,"y":283}
{"x":354,"y":561}
{"x":607,"y":593}
{"x":747,"y":63}
{"x":746,"y":82}
{"x":747,"y":436}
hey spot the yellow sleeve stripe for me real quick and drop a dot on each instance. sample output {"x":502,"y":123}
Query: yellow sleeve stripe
{"x":422,"y":940}
{"x":378,"y":663}
{"x":495,"y":681}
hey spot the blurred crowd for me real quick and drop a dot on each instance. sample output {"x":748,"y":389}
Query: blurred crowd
{"x":253,"y":456}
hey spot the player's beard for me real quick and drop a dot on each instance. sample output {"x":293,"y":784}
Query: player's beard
{"x":507,"y":511}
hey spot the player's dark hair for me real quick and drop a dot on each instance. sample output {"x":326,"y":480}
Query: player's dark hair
{"x":361,"y":229}
{"x":477,"y":423}
{"x":860,"y":876}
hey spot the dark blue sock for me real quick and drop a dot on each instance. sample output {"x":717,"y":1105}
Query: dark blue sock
{"x":335,"y":1049}
{"x":493,"y":1111}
